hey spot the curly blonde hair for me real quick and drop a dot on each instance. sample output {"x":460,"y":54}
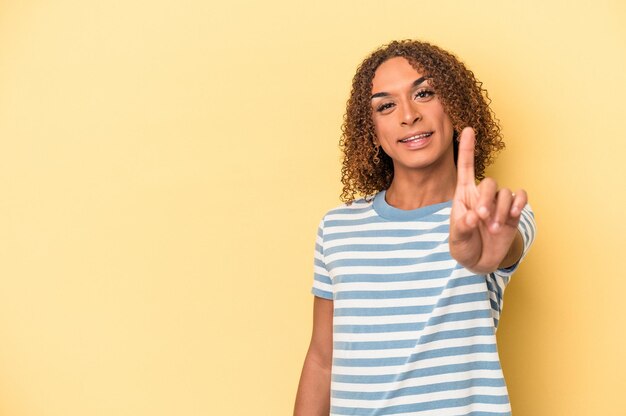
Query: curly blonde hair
{"x":366,"y":170}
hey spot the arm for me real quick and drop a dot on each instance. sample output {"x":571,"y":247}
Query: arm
{"x":484,"y":219}
{"x":313,"y":396}
{"x":515,"y":252}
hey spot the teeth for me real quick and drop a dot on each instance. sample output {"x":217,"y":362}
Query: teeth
{"x":416,"y":137}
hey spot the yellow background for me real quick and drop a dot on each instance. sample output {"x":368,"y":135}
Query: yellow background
{"x":164,"y":165}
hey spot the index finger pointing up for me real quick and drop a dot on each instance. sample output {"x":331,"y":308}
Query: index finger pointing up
{"x":465,"y":162}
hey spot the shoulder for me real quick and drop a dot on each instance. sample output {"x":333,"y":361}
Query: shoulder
{"x":527,"y":226}
{"x":359,"y":208}
{"x":527,"y":219}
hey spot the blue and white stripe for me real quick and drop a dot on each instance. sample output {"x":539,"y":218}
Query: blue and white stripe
{"x":413,"y":331}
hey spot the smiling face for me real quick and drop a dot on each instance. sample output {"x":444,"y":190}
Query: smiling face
{"x":410,"y":122}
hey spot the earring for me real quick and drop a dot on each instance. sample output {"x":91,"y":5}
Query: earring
{"x":376,"y":159}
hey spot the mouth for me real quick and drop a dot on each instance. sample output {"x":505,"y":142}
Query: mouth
{"x":416,"y":137}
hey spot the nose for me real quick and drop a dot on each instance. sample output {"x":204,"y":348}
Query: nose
{"x":410,"y":114}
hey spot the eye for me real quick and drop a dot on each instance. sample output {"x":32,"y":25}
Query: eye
{"x":424,"y":94}
{"x":384,"y":107}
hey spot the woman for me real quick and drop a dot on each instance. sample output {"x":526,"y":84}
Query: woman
{"x":409,"y":279}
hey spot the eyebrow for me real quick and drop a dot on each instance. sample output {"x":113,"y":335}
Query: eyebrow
{"x":416,"y":83}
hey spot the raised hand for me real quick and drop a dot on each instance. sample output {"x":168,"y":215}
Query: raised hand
{"x":484,"y":219}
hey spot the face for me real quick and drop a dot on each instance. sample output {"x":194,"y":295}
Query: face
{"x":410,"y":122}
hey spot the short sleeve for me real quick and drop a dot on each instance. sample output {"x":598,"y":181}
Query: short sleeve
{"x":322,"y":284}
{"x":498,"y":280}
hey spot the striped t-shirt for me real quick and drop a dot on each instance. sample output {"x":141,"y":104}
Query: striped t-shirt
{"x":413,"y":331}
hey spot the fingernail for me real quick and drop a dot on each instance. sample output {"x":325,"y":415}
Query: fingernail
{"x":495,"y":226}
{"x":515,"y":210}
{"x":483,"y":211}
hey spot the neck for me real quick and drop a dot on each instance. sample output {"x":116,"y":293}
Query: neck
{"x":415,"y":189}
